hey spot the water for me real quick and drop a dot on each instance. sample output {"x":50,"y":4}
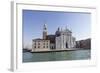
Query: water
{"x":56,"y":56}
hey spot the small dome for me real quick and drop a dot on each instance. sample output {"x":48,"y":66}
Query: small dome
{"x":58,"y":32}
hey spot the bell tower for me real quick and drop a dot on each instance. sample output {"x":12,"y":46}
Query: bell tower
{"x":44,"y":31}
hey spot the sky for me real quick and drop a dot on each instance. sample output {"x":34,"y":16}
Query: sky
{"x":33,"y":21}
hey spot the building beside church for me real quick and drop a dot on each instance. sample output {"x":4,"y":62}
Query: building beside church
{"x":62,"y":39}
{"x":40,"y":44}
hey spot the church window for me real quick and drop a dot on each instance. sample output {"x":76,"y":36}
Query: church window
{"x":34,"y":46}
{"x":38,"y":43}
{"x":44,"y":43}
{"x":38,"y":46}
{"x":43,"y":46}
{"x":47,"y":43}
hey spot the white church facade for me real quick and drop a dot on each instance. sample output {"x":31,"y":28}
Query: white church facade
{"x":62,"y":39}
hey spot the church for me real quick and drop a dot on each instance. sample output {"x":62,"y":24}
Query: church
{"x":62,"y":39}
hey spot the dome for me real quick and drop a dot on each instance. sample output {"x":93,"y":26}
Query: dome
{"x":58,"y":32}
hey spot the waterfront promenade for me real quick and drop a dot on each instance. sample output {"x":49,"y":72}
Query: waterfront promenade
{"x":55,"y":50}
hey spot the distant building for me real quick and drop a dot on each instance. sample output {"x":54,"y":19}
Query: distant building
{"x":85,"y":44}
{"x":62,"y":39}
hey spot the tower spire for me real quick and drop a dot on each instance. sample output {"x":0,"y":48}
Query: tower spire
{"x":45,"y":27}
{"x":44,"y":31}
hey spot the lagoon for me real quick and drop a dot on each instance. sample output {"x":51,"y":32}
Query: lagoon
{"x":56,"y":56}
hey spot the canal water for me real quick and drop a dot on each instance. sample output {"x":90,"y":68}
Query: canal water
{"x":56,"y":56}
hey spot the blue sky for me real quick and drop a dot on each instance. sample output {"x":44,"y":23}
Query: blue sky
{"x":33,"y":21}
